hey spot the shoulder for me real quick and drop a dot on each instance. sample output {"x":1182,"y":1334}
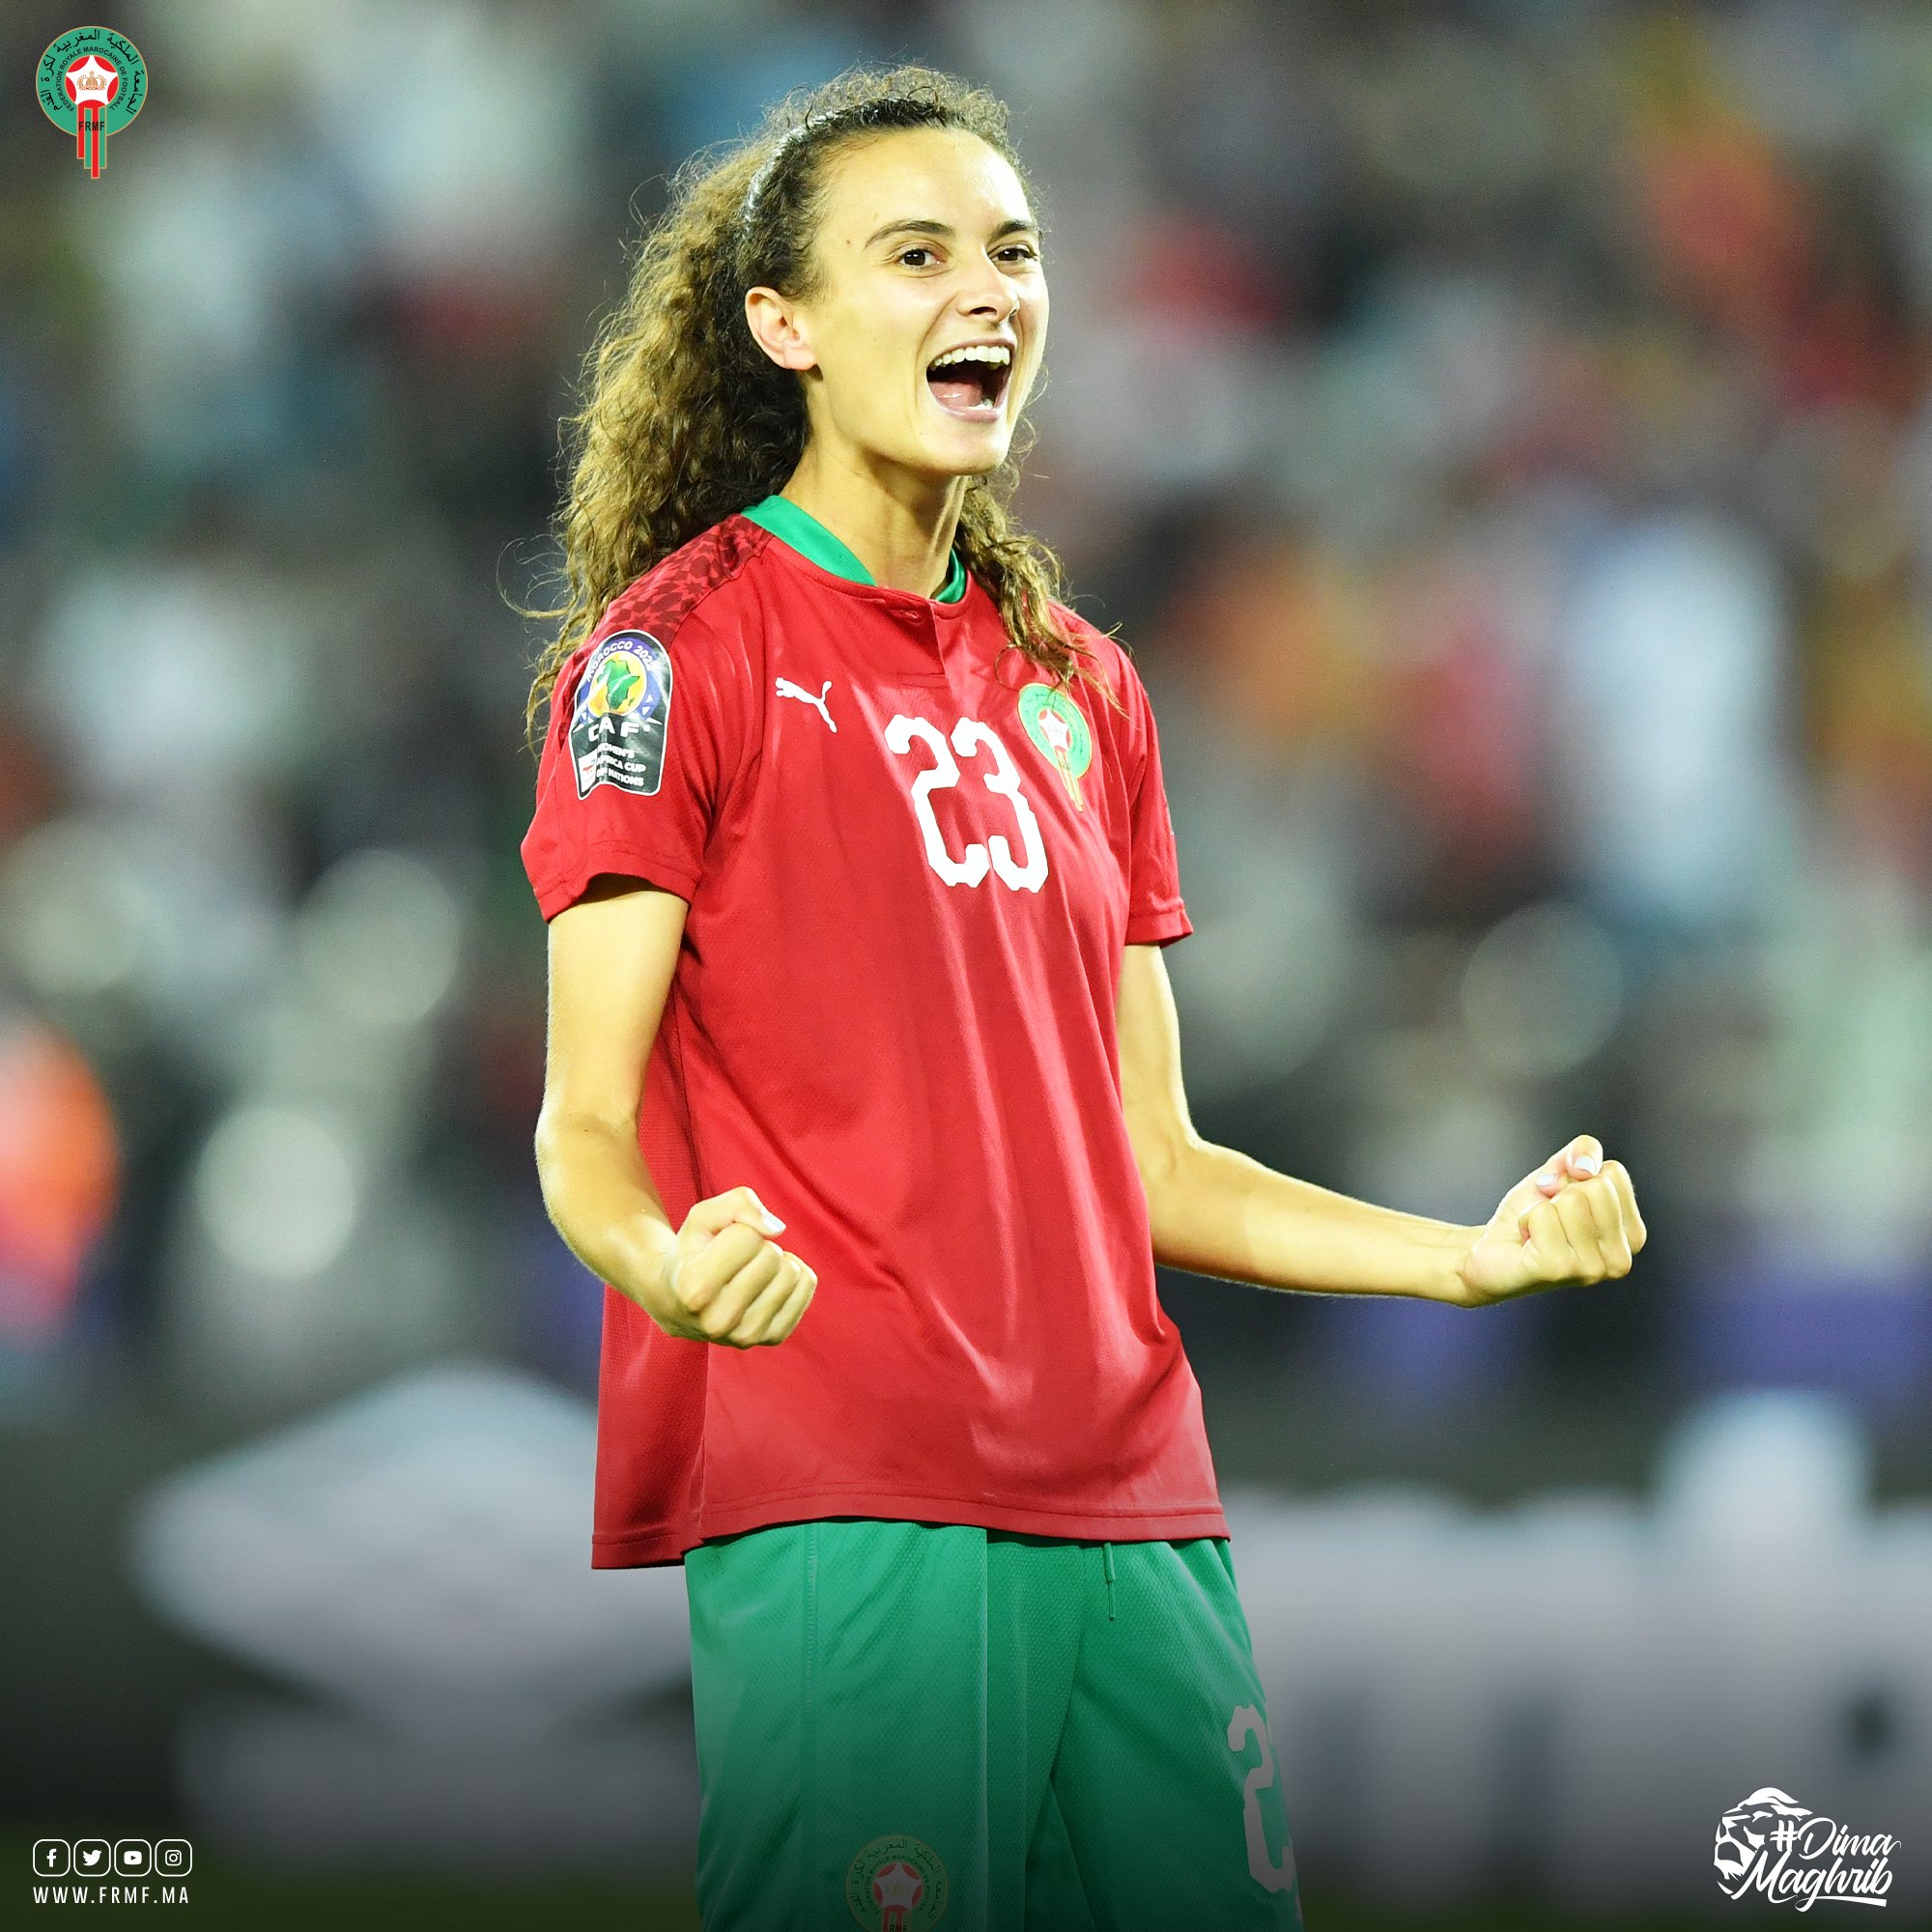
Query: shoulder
{"x":1107,"y":656}
{"x":684,"y":604}
{"x":687,"y":583}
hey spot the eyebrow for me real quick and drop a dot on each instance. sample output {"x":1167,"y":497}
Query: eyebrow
{"x":940,"y":232}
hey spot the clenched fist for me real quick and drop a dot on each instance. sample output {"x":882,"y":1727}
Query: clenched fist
{"x":1574,"y":1220}
{"x":725,"y":1282}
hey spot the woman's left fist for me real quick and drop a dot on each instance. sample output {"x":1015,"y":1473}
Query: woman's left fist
{"x":1574,"y":1220}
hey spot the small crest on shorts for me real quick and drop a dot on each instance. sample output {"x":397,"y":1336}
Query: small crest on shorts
{"x":620,"y":714}
{"x":896,"y":1884}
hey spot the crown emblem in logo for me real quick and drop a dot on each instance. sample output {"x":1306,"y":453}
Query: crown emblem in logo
{"x":90,"y":82}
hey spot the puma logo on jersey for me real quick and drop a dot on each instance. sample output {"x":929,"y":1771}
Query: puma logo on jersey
{"x":787,"y":689}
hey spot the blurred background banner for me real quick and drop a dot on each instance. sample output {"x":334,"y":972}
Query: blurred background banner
{"x":1504,"y":434}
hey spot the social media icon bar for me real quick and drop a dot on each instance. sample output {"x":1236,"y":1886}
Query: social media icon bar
{"x":90,"y":1859}
{"x":133,"y":1858}
{"x":174,"y":1857}
{"x":52,"y":1858}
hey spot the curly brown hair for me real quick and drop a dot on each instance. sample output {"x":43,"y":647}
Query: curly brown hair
{"x":686,"y":421}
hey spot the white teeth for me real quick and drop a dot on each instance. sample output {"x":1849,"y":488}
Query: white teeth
{"x":997,"y":354}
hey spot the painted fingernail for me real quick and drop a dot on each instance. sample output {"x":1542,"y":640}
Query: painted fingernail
{"x":1585,"y":1163}
{"x":1546,"y":1179}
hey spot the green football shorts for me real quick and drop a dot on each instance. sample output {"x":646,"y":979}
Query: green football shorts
{"x":927,"y":1725}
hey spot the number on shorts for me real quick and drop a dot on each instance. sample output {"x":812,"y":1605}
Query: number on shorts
{"x":1245,"y":1723}
{"x":969,"y":734}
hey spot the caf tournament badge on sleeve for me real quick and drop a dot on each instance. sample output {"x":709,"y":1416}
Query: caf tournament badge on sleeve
{"x":620,"y":714}
{"x":92,"y":83}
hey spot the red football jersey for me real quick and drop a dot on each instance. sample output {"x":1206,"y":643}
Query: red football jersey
{"x":911,"y":865}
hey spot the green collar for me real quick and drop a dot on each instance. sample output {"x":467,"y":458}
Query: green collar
{"x":807,"y":535}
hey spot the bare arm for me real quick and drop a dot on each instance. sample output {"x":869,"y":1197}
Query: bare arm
{"x":1215,"y":1211}
{"x":718,"y":1277}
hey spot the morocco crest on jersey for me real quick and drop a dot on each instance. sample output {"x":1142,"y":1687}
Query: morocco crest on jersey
{"x":1055,"y":724}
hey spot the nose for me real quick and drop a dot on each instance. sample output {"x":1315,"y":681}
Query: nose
{"x":990,"y":295}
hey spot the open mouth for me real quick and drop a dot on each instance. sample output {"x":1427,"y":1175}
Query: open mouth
{"x":971,"y":382}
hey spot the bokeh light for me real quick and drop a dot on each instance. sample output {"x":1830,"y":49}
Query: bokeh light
{"x":59,"y":1168}
{"x":277,"y":1191}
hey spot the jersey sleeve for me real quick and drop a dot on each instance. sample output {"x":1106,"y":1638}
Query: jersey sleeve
{"x":1156,"y":911}
{"x":644,"y":740}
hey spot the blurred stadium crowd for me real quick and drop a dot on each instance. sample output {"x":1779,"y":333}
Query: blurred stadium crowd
{"x":1501,"y":430}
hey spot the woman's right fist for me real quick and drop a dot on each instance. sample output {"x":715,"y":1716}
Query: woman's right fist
{"x":725,"y":1282}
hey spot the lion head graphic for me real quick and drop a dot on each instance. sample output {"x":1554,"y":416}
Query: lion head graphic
{"x":1743,"y":1829}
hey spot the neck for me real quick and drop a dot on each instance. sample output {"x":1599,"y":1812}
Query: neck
{"x":898,"y":524}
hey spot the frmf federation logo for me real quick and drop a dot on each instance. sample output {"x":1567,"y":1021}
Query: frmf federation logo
{"x":92,"y":82}
{"x":1055,"y":724}
{"x":896,"y":1884}
{"x":1773,"y":1844}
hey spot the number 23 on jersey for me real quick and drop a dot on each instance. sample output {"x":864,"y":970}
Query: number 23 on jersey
{"x":971,"y":737}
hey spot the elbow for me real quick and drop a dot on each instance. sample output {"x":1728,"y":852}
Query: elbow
{"x":561,"y":1133}
{"x":549,"y":1157}
{"x":552,"y":1127}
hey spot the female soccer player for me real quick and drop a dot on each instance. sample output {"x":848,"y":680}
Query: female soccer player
{"x":853,"y":844}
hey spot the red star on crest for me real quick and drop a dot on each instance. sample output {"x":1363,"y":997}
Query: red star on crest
{"x":92,"y":81}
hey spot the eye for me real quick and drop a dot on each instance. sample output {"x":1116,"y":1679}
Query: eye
{"x":1025,"y":250}
{"x":920,"y":250}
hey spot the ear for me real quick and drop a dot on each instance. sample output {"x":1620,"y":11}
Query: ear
{"x":778,"y":328}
